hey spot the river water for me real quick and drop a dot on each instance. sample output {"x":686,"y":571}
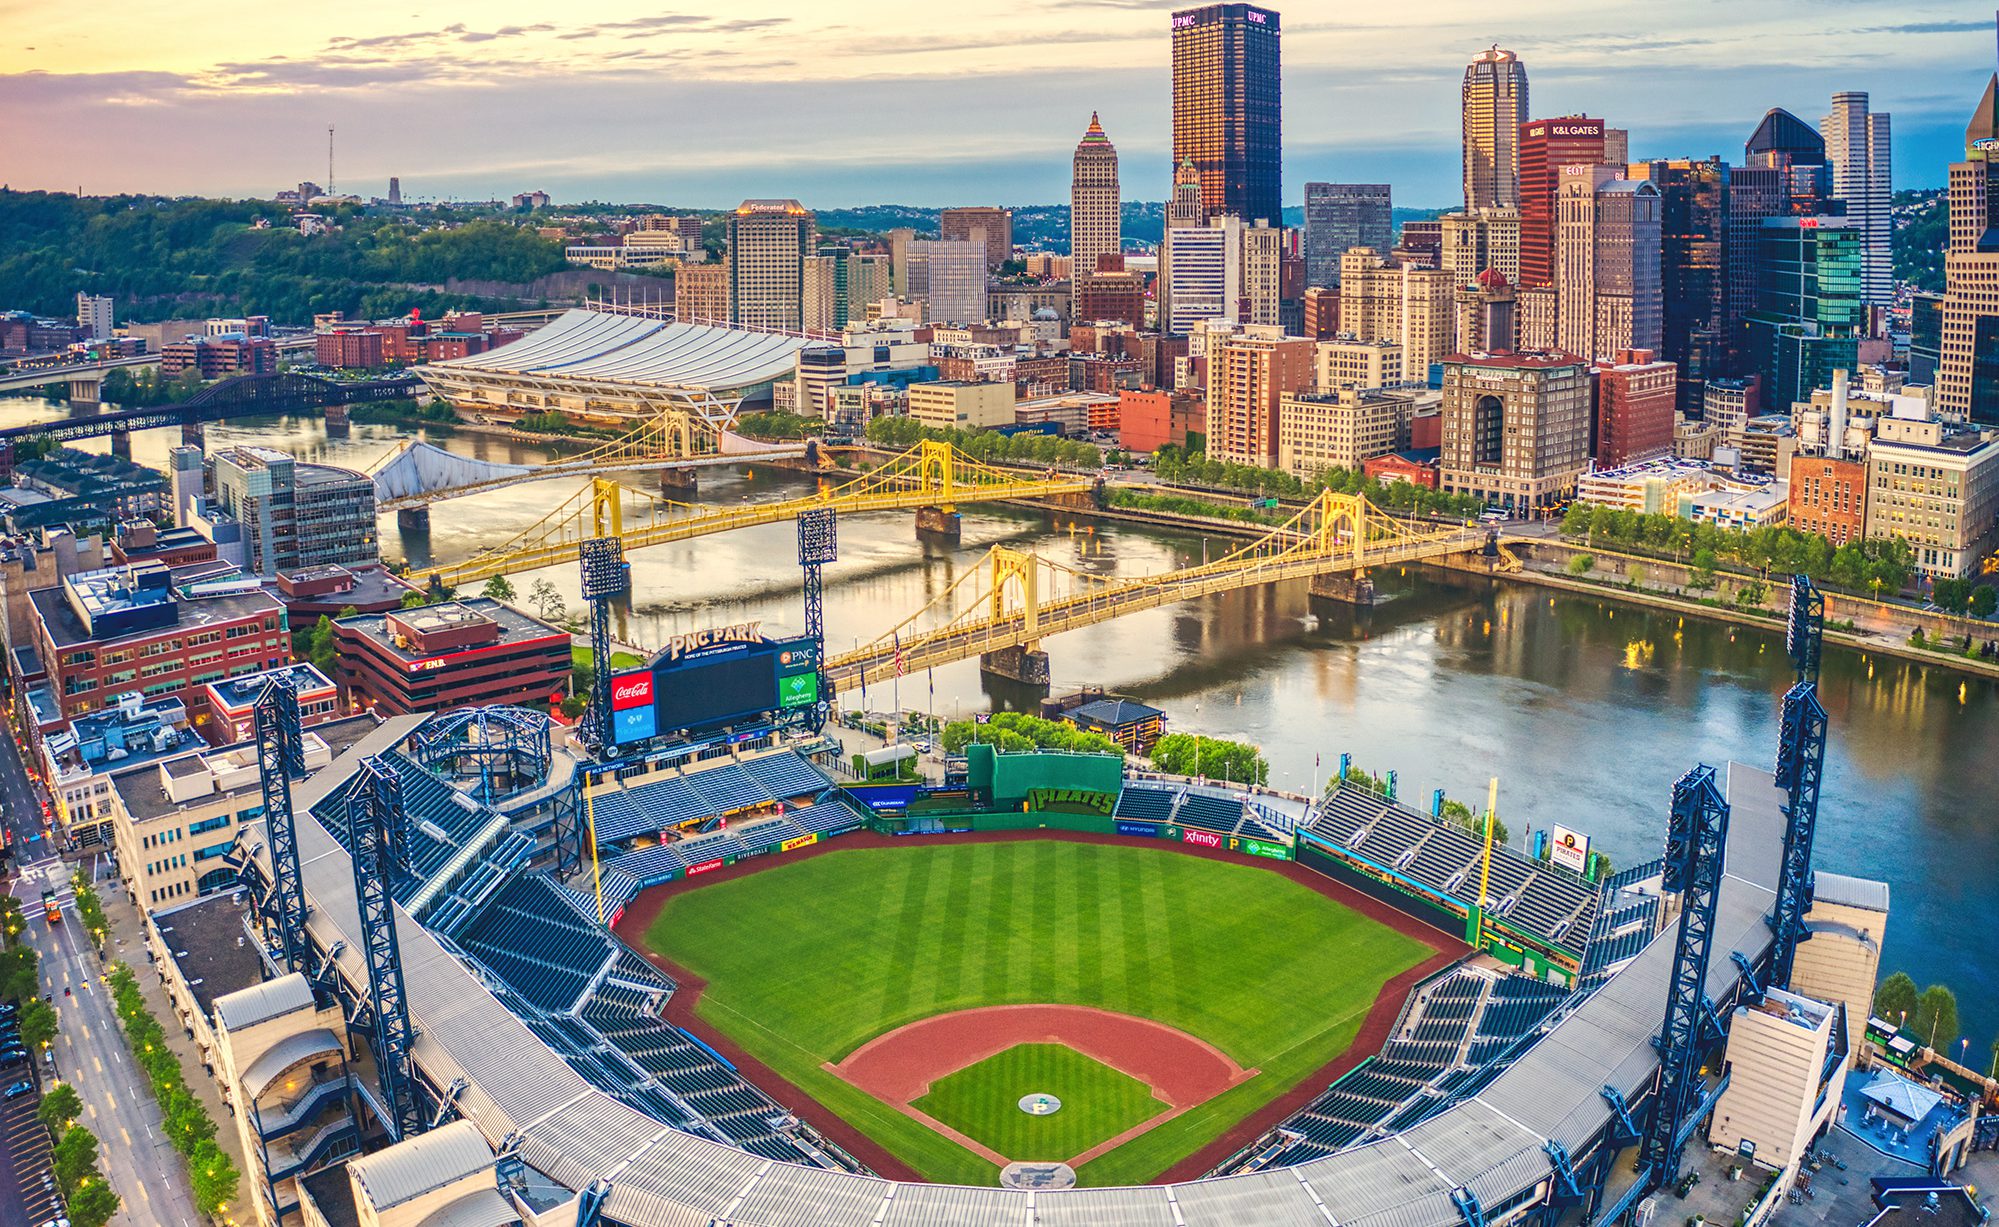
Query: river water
{"x":1586,"y":710}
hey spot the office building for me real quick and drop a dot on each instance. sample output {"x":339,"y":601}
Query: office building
{"x":1635,"y":400}
{"x":93,"y":316}
{"x":1339,"y":216}
{"x":1787,"y":1084}
{"x":824,"y":307}
{"x":1227,"y":107}
{"x":1184,"y":211}
{"x":1412,"y":307}
{"x":461,"y":653}
{"x":1797,"y":153}
{"x":1348,"y":362}
{"x":769,"y":241}
{"x":102,"y":634}
{"x":1516,"y":427}
{"x":701,"y":293}
{"x":1967,"y":380}
{"x":294,"y":514}
{"x":220,"y":355}
{"x":1151,"y":418}
{"x":1547,"y":145}
{"x":1607,"y":263}
{"x":1693,"y":268}
{"x":1480,"y":239}
{"x":68,"y":486}
{"x":1728,"y":404}
{"x":957,"y":404}
{"x":950,"y":279}
{"x":1321,"y":313}
{"x":1421,"y":242}
{"x":1340,"y":429}
{"x":1809,"y":311}
{"x":1856,"y":146}
{"x":980,"y":224}
{"x":1935,"y":484}
{"x":1102,"y":297}
{"x":1264,"y":250}
{"x":1828,"y":496}
{"x":1487,"y":315}
{"x":1204,"y":274}
{"x":1249,"y":374}
{"x":1494,"y":105}
{"x":1096,"y":226}
{"x":1925,"y":338}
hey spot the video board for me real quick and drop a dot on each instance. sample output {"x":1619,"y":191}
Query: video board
{"x":708,"y":680}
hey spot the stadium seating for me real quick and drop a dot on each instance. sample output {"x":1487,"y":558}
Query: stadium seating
{"x":650,"y":806}
{"x":1147,"y":802}
{"x":1208,"y":812}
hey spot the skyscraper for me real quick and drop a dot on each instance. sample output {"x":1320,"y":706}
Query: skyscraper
{"x":1607,"y":263}
{"x":1547,"y":145}
{"x":1856,"y":144}
{"x":1227,"y":117}
{"x":1495,"y":105}
{"x":1693,"y":271}
{"x":1185,"y":211}
{"x":1339,"y":216}
{"x":1788,"y":145}
{"x":1809,"y":308}
{"x":1095,"y":226}
{"x":982,"y":223}
{"x":1968,"y":369}
{"x":768,"y":243}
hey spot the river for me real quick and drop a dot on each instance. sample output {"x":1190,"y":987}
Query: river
{"x":1586,"y":710}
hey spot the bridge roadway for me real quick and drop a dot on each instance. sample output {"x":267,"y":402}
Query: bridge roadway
{"x":17,"y":379}
{"x":1024,"y":628}
{"x":237,"y":396}
{"x":583,"y":466}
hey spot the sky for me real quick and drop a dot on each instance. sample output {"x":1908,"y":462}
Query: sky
{"x":848,"y":102}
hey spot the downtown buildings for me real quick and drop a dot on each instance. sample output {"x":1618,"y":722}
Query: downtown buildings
{"x":1227,"y":114}
{"x":1968,"y":344}
{"x":1856,"y":147}
{"x":1341,"y":216}
{"x":769,"y":241}
{"x":1494,"y":106}
{"x":1095,"y":202}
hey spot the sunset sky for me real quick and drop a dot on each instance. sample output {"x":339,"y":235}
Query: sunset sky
{"x":840,"y":102}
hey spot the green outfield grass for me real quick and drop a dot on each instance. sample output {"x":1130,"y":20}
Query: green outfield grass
{"x":809,"y":959}
{"x":982,"y":1102}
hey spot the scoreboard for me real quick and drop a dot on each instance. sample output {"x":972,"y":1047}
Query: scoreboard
{"x":714,"y":679}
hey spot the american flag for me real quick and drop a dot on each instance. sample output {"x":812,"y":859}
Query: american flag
{"x":898,"y":653}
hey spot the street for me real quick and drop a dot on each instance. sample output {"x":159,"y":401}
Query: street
{"x":89,"y":1049}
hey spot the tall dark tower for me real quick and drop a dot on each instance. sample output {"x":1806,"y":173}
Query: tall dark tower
{"x":1227,"y":114}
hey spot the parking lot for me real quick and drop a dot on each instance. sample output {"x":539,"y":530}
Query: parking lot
{"x":27,"y":1183}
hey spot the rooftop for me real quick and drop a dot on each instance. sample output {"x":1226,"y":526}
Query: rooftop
{"x":66,"y":629}
{"x":235,"y":766}
{"x":514,"y":626}
{"x":1522,"y":360}
{"x":209,"y":947}
{"x":240,"y":692}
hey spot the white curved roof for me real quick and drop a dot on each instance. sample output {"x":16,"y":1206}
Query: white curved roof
{"x":1491,"y":1144}
{"x":599,"y":347}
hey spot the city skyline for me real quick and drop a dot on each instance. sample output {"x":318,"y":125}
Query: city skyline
{"x":144,"y":87}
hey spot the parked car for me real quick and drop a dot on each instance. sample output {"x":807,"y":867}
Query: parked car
{"x":23,"y":1087}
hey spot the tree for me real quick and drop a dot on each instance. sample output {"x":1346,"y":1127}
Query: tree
{"x":18,"y":980}
{"x":1582,"y":564}
{"x":1983,"y":602}
{"x":212,"y":1176}
{"x":1951,"y":595}
{"x":1896,"y":998}
{"x":74,"y":1157}
{"x":1702,"y":573}
{"x":186,"y":1122}
{"x":498,"y":588}
{"x":94,"y":1204}
{"x":60,"y":1108}
{"x":38,"y":1024}
{"x":412,"y":600}
{"x":546,"y":600}
{"x":1934,"y":1022}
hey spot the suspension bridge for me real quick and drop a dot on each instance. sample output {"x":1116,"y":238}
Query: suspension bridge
{"x":1000,"y":610}
{"x":932,"y":478}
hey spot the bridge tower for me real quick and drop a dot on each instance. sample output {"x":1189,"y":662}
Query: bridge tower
{"x":374,"y":822}
{"x":818,"y":544}
{"x":1695,"y":843}
{"x":1800,"y":764}
{"x":936,"y":467}
{"x":1025,"y":663}
{"x":280,"y":756}
{"x":606,"y":576}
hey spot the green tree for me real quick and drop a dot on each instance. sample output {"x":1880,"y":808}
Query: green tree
{"x":38,"y":1024}
{"x":413,"y":600}
{"x":1896,"y":998}
{"x":1701,"y":574}
{"x":212,"y":1176}
{"x":498,"y":588}
{"x":18,"y":979}
{"x":1951,"y":594}
{"x":74,"y":1157}
{"x":1983,"y":601}
{"x":186,"y":1122}
{"x":12,"y":922}
{"x":1582,"y":564}
{"x":546,"y":600}
{"x":59,"y":1108}
{"x":94,"y":1204}
{"x":1934,"y":1022}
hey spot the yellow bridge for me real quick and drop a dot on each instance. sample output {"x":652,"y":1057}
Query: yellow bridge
{"x":930,"y":475}
{"x":1000,"y":610}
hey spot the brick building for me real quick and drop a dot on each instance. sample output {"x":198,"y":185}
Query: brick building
{"x":1829,"y":497}
{"x":215,"y":357}
{"x":1248,"y":374}
{"x":1635,"y":396}
{"x":457,"y":654}
{"x":1151,"y":418}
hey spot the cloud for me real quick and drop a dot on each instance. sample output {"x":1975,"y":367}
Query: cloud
{"x":1929,"y":27}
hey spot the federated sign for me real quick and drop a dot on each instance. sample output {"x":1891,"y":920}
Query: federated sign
{"x":803,"y":841}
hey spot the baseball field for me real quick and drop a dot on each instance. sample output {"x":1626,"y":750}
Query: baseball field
{"x":1171,"y":994}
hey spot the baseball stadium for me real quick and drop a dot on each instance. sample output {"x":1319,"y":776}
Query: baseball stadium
{"x":710,"y":978}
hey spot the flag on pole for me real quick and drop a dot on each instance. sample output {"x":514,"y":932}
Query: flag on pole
{"x":984,"y":717}
{"x":897,"y":636}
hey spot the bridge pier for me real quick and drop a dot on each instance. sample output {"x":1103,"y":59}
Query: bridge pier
{"x":414,"y":519}
{"x":121,"y":444}
{"x":86,"y":392}
{"x":193,"y":434}
{"x":939,"y":523}
{"x":678,"y":481}
{"x":1354,"y":589}
{"x":1028,"y":665}
{"x":337,"y":421}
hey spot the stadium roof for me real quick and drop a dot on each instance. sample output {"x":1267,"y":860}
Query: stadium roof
{"x":1491,"y":1144}
{"x":609,"y":352}
{"x":425,"y":1162}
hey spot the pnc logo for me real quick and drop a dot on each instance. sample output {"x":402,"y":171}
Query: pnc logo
{"x":633,"y":690}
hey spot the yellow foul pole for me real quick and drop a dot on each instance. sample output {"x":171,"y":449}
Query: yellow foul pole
{"x":590,"y":826}
{"x":1485,"y":864}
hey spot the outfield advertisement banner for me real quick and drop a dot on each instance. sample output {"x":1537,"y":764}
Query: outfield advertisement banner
{"x":1257,"y":847}
{"x":1569,"y":849}
{"x":1204,"y":839}
{"x":1147,"y":830}
{"x":803,"y":841}
{"x":705,"y":866}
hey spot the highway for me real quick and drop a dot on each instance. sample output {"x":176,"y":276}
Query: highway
{"x":89,"y":1049}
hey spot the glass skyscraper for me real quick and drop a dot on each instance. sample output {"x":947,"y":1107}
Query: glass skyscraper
{"x":1227,"y":115}
{"x":1809,"y":310}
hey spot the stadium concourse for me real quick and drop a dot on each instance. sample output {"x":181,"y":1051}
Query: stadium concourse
{"x":540,"y":1027}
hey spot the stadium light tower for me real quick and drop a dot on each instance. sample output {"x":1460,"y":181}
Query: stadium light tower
{"x":818,"y":544}
{"x":606,"y":576}
{"x":374,"y":820}
{"x":1695,"y":843}
{"x":280,"y":756}
{"x":1800,"y":765}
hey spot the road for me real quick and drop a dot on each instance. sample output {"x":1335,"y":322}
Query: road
{"x":89,"y":1049}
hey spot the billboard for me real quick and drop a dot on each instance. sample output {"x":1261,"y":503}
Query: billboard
{"x":709,"y":680}
{"x":1146,"y":830}
{"x":1200,"y":838}
{"x":1569,"y":849}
